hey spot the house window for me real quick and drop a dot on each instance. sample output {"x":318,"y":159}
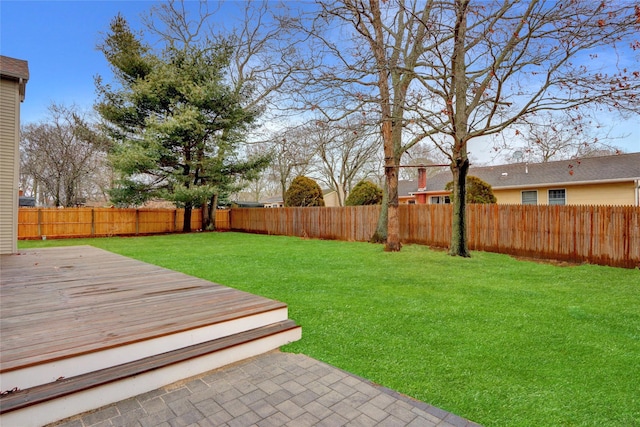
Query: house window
{"x":438,"y":200}
{"x":557,"y":197}
{"x":530,"y":197}
{"x":412,"y":202}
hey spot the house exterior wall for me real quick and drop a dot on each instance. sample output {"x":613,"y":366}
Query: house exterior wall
{"x":331,"y":199}
{"x":403,"y":200}
{"x":612,"y":194}
{"x":9,"y":164}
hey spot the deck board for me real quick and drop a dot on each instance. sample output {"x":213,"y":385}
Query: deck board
{"x":57,"y":303}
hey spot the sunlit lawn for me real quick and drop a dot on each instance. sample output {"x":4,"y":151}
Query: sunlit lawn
{"x":493,"y":339}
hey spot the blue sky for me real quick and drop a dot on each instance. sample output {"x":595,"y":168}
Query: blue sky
{"x":59,"y":40}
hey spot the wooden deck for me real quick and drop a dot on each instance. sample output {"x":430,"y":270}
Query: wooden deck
{"x":67,"y":312}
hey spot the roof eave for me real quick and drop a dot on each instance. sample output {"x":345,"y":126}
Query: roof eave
{"x":430,"y":192}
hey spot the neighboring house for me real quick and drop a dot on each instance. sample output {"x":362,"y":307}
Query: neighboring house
{"x":416,"y":192}
{"x":27,"y":202}
{"x":273,"y":202}
{"x":330,"y":200}
{"x":14,"y":74}
{"x":406,"y":190}
{"x":606,"y":180}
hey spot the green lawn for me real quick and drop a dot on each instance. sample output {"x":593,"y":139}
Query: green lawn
{"x":496,"y":340}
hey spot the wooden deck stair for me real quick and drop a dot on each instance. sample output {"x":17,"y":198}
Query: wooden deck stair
{"x":81,"y":328}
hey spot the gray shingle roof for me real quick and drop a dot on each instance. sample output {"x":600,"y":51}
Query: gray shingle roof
{"x":407,"y":186}
{"x":562,"y":172}
{"x":273,"y":199}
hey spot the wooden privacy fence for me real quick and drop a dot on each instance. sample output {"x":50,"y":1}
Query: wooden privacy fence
{"x":36,"y":223}
{"x":352,"y":223}
{"x":606,"y":235}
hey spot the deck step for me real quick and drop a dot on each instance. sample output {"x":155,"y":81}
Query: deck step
{"x":22,"y":400}
{"x":24,"y":373}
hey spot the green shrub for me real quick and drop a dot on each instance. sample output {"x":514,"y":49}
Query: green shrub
{"x":302,"y":192}
{"x":478,"y":191}
{"x":364,"y":193}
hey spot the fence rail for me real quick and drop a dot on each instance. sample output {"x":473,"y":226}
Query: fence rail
{"x":606,"y":235}
{"x":36,"y":223}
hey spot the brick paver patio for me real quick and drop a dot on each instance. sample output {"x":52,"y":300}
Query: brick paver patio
{"x":275,"y":389}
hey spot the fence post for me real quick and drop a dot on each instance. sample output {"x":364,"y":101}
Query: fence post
{"x":39,"y":222}
{"x":137,"y":221}
{"x":93,"y":221}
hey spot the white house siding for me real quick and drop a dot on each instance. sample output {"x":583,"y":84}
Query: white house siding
{"x":9,"y":164}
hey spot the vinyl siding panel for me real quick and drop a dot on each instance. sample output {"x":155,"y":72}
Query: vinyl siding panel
{"x":9,"y":164}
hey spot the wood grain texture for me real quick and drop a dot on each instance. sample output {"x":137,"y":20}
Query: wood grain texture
{"x":57,"y":303}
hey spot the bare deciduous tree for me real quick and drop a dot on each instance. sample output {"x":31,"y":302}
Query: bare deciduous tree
{"x":418,"y":155}
{"x":63,"y":159}
{"x":366,"y":56}
{"x":344,"y":151}
{"x":292,"y":153}
{"x":456,"y":70}
{"x":557,"y":136}
{"x":494,"y":64}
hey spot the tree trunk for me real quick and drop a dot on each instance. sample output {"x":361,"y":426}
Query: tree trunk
{"x":459,"y":223}
{"x":209,"y":213}
{"x":186,"y":225}
{"x":380,"y":236}
{"x":393,"y":222}
{"x":69,"y":196}
{"x":205,"y":215}
{"x":341,"y":192}
{"x":460,"y":116}
{"x":212,"y":206}
{"x":56,"y":196}
{"x":390,"y":129}
{"x":283,"y":187}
